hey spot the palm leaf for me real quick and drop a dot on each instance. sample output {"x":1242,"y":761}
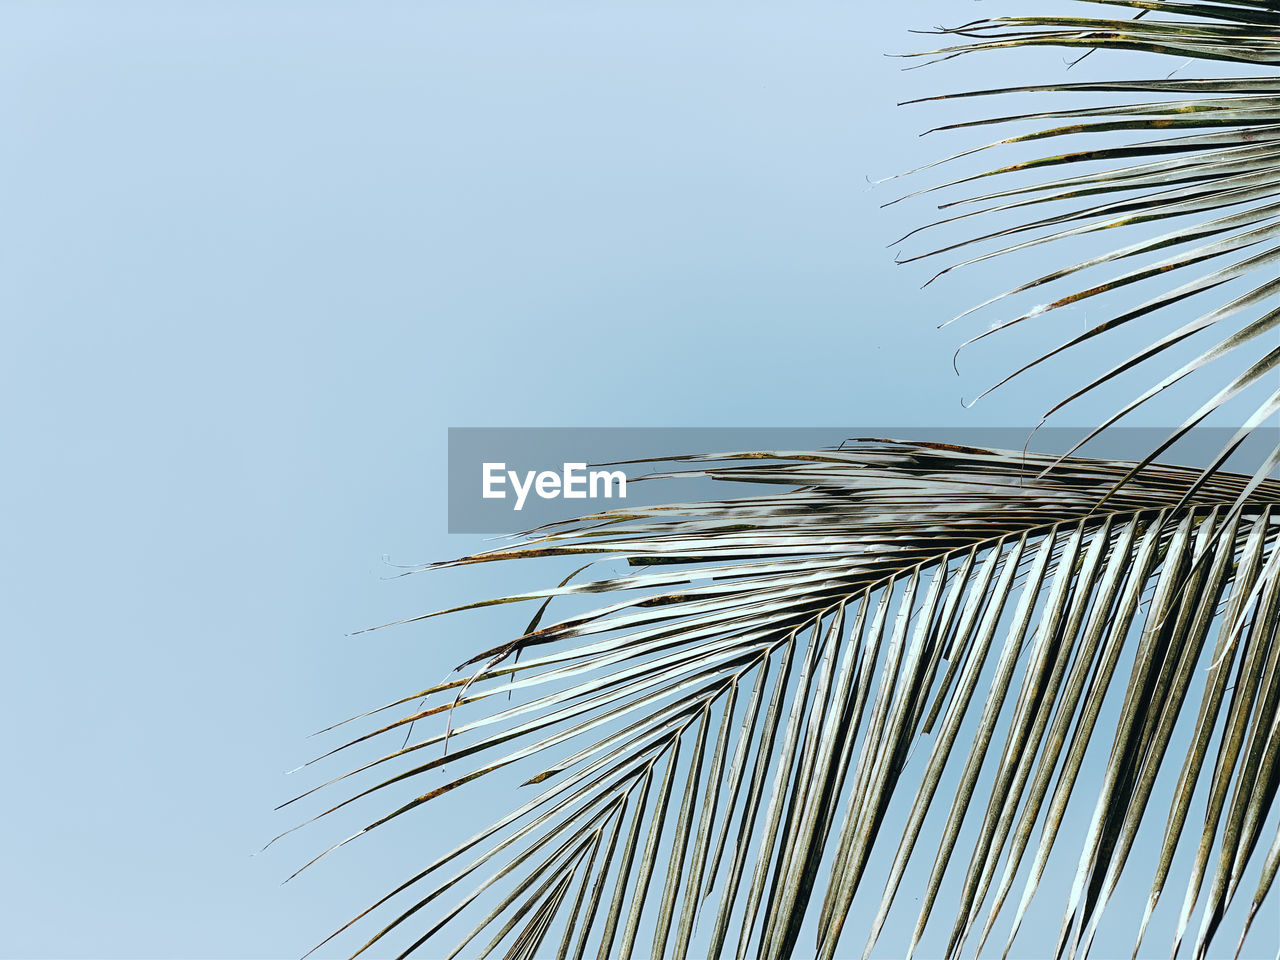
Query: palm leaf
{"x":712,"y":754}
{"x":1187,"y":169}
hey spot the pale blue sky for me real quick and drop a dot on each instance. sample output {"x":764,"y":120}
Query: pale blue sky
{"x":256,"y":258}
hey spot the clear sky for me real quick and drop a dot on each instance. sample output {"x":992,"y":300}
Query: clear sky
{"x":256,"y":258}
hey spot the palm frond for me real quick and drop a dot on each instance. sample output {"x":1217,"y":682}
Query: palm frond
{"x":712,"y":755}
{"x":1190,"y":164}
